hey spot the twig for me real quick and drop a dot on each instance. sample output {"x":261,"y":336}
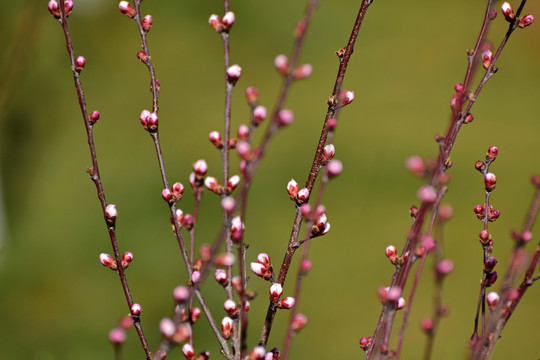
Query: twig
{"x":293,"y":244}
{"x":96,"y":178}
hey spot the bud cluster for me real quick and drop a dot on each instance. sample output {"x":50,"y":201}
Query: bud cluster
{"x":298,"y":195}
{"x":222,"y":25}
{"x":149,"y":121}
{"x":263,"y":267}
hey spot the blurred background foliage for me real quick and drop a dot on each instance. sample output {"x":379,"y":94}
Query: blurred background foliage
{"x":57,"y":302}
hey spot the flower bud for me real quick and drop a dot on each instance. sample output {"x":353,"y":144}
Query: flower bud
{"x":259,"y":114}
{"x":147,"y":23}
{"x":492,"y":300}
{"x":285,"y":117}
{"x":303,"y":71}
{"x":233,"y":73}
{"x":227,"y":327}
{"x":259,"y":269}
{"x":508,"y":12}
{"x":415,"y":164}
{"x":490,"y":180}
{"x":228,"y":19}
{"x":200,"y":167}
{"x":346,"y":97}
{"x":275,"y":291}
{"x":427,"y":194}
{"x":54,"y":9}
{"x":334,"y":168}
{"x":188,"y":351}
{"x":303,"y":195}
{"x":79,"y":62}
{"x":391,"y":253}
{"x":181,"y":294}
{"x":427,"y":325}
{"x":491,"y":278}
{"x":136,"y":309}
{"x":127,"y":258}
{"x":243,"y":132}
{"x":230,"y":306}
{"x":111,"y":213}
{"x":211,"y":183}
{"x":94,"y":117}
{"x":444,"y":267}
{"x":264,"y":259}
{"x":117,"y":336}
{"x":252,"y":95}
{"x":281,"y":62}
{"x":299,"y":322}
{"x":286,"y":303}
{"x":108,"y":261}
{"x":526,"y":21}
{"x":365,"y":342}
{"x":293,"y":188}
{"x":487,"y":58}
{"x":68,"y":6}
{"x":167,"y":195}
{"x":328,"y":152}
{"x":126,"y":9}
{"x":233,"y":182}
{"x":305,"y":266}
{"x":195,"y":277}
{"x":400,"y":303}
{"x":221,"y":277}
{"x":215,"y":23}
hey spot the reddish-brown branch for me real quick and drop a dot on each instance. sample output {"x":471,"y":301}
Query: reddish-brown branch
{"x":315,"y":167}
{"x":96,"y":178}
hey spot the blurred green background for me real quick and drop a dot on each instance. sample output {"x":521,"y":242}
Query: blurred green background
{"x":58,"y":302}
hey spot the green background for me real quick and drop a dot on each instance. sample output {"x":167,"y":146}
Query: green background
{"x":58,"y":302}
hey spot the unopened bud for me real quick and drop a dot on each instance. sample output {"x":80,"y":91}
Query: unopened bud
{"x":227,"y":326}
{"x":526,"y":21}
{"x":492,"y":300}
{"x":127,"y":258}
{"x":54,"y":9}
{"x":303,"y":195}
{"x":188,"y":351}
{"x":94,"y":117}
{"x":215,"y":22}
{"x":286,"y":303}
{"x":147,"y":23}
{"x":285,"y":117}
{"x":233,"y":73}
{"x":303,"y":71}
{"x":111,"y":213}
{"x":427,"y":194}
{"x":230,"y":306}
{"x":334,"y":168}
{"x":487,"y":58}
{"x":107,"y":260}
{"x":252,"y":95}
{"x":275,"y":291}
{"x":79,"y":62}
{"x":181,"y":294}
{"x":136,"y":309}
{"x":281,"y":62}
{"x":259,"y":114}
{"x":228,"y":19}
{"x":126,"y":9}
{"x":508,"y":12}
{"x":117,"y":336}
{"x":299,"y":322}
{"x":293,"y":188}
{"x":490,"y":180}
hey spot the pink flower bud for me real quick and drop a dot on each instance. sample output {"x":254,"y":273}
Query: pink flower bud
{"x":228,"y":204}
{"x":328,"y":152}
{"x":391,"y":253}
{"x":492,"y":152}
{"x":299,"y":322}
{"x":286,"y":303}
{"x":285,"y":117}
{"x":195,"y":314}
{"x":117,"y":336}
{"x":167,"y":195}
{"x":127,"y":258}
{"x":141,"y":55}
{"x":275,"y":291}
{"x":293,"y":188}
{"x":233,"y":182}
{"x":415,"y":164}
{"x":211,"y":183}
{"x":144,"y":118}
{"x":365,"y":342}
{"x":200,"y":167}
{"x":427,"y":194}
{"x":147,"y":23}
{"x":178,"y":190}
{"x":243,"y":149}
{"x":215,"y":22}
{"x":305,"y":266}
{"x":226,"y":259}
{"x":259,"y":114}
{"x":347,"y":97}
{"x":334,"y":168}
{"x":459,"y":88}
{"x":264,"y":259}
{"x":303,"y":195}
{"x":444,"y":267}
{"x":188,"y":351}
{"x":393,"y":293}
{"x":252,"y":95}
{"x":167,"y":328}
{"x":233,"y":73}
{"x":487,"y":58}
{"x":107,"y":260}
{"x":492,"y":300}
{"x":68,"y":6}
{"x":303,"y":71}
{"x":259,"y":269}
{"x":227,"y":326}
{"x":215,"y":138}
{"x":257,"y":353}
{"x":126,"y":9}
{"x":230,"y":306}
{"x":243,"y":132}
{"x":152,"y":122}
{"x":306,"y":211}
{"x":281,"y":62}
{"x":400,"y":303}
{"x":195,"y":277}
{"x":237,"y":224}
{"x":508,"y":12}
{"x":427,"y":325}
{"x":490,"y":180}
{"x":331,"y":124}
{"x":136,"y":309}
{"x":526,"y":21}
{"x":181,"y":294}
{"x":228,"y":19}
{"x":221,"y":277}
{"x":94,"y":117}
{"x":111,"y":213}
{"x":79,"y":62}
{"x":54,"y":9}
